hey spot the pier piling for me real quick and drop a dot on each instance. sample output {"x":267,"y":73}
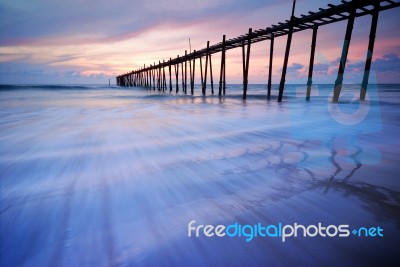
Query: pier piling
{"x":222,"y":69}
{"x":370,"y":51}
{"x":343,"y":58}
{"x":311,"y":66}
{"x":287,"y":51}
{"x":246,"y":60}
{"x":271,"y":56}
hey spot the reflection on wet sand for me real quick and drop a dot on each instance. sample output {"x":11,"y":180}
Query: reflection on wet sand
{"x":112,"y":177}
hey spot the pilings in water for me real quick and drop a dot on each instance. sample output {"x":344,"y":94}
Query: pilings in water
{"x":246,"y":61}
{"x":285,"y":61}
{"x":154,"y":77}
{"x":222,"y":81}
{"x":271,"y":55}
{"x":371,"y":43}
{"x":343,"y":58}
{"x":176,"y":66}
{"x":311,"y":66}
{"x":211,"y":75}
{"x":192,"y":72}
{"x":169,"y":72}
{"x":205,"y":71}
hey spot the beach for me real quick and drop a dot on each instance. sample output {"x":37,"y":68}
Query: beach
{"x":112,"y":176}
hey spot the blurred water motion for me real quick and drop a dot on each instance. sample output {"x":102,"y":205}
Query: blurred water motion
{"x":94,"y":176}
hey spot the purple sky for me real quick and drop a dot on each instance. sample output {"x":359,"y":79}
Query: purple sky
{"x":82,"y":41}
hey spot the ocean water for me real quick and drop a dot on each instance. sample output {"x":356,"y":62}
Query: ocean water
{"x":111,"y":176}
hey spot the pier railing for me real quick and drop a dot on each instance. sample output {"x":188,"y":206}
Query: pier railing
{"x":154,"y":76}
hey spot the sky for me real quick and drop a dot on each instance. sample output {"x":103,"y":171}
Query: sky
{"x":90,"y":42}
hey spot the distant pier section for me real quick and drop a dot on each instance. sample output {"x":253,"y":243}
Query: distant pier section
{"x":154,"y":76}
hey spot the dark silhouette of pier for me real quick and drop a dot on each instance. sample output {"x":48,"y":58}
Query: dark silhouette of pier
{"x":154,"y":76}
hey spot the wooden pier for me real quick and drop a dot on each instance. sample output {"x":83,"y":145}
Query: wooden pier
{"x":154,"y":76}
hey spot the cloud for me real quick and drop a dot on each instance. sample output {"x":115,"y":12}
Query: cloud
{"x":65,"y":22}
{"x":387,"y":63}
{"x":295,"y":67}
{"x":321,"y":67}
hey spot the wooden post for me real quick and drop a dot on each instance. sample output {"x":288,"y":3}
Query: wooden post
{"x":201,"y":73}
{"x":182,"y":78}
{"x":224,"y":79}
{"x":190,"y":75}
{"x":205,"y":71}
{"x":150,"y":76}
{"x":164,"y":80}
{"x":193,"y":74}
{"x":176,"y":74}
{"x":211,"y":75}
{"x":185,"y":72}
{"x":222,"y":69}
{"x":159,"y":76}
{"x":154,"y":76}
{"x":343,"y":58}
{"x":311,"y":66}
{"x":285,"y":62}
{"x":370,"y":51}
{"x":246,"y":63}
{"x":243,"y":63}
{"x":271,"y":56}
{"x":144,"y":76}
{"x":170,"y":79}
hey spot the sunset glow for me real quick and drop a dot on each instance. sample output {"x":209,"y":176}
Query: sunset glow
{"x":78,"y":42}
